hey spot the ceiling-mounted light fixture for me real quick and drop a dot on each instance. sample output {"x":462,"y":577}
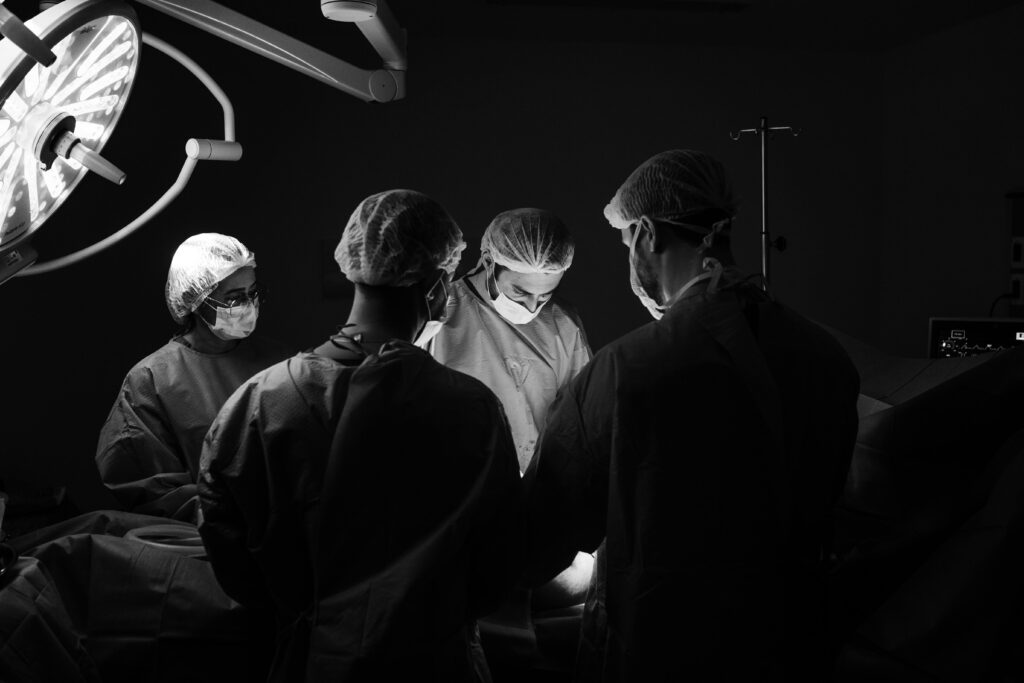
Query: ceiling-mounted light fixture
{"x":65,"y":76}
{"x":55,"y":119}
{"x":349,"y":10}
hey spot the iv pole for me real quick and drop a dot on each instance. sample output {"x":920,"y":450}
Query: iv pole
{"x":764,"y":131}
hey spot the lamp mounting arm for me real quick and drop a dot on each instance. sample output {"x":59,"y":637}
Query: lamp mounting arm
{"x":383,"y":32}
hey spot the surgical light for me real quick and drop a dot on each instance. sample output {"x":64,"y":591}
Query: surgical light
{"x":55,"y":119}
{"x":65,"y":76}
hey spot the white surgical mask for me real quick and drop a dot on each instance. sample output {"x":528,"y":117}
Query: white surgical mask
{"x":513,"y":311}
{"x":432,"y":327}
{"x":429,"y":331}
{"x":235,"y":322}
{"x":653,"y":307}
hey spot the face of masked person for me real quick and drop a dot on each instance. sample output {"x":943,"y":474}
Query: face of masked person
{"x":642,"y":279}
{"x":231,"y":310}
{"x":519,"y":297}
{"x":235,"y":322}
{"x":436,"y":301}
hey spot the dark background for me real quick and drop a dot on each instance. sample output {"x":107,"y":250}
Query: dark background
{"x":892,"y":198}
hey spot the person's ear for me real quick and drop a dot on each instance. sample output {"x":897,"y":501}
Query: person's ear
{"x":655,"y":234}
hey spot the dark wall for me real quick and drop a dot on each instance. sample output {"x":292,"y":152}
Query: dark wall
{"x":954,"y":146}
{"x":486,"y":126}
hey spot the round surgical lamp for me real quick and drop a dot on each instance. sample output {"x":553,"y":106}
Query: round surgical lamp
{"x":349,"y":10}
{"x":55,"y":119}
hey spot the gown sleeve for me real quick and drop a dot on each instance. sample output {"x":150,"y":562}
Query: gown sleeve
{"x":138,"y":455}
{"x":259,"y":473}
{"x":233,"y":513}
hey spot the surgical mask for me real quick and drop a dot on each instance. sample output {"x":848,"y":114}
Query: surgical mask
{"x":432,"y":327}
{"x":234,"y":322}
{"x":713,"y":272}
{"x":512,"y":311}
{"x":656,"y":310}
{"x":429,"y":331}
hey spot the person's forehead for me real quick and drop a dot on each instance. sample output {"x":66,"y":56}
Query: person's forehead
{"x":534,"y":283}
{"x":243,"y":278}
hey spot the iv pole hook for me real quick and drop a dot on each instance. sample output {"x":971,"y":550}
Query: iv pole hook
{"x":763,"y":131}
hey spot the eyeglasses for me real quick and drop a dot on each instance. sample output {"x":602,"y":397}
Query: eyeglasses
{"x":433,"y":294}
{"x":256,"y":294}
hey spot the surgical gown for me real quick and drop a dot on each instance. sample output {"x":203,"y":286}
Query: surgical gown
{"x":708,"y":448}
{"x":148,"y":451}
{"x":375,"y":505}
{"x":524,"y":365}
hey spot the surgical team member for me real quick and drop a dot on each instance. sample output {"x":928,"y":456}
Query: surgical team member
{"x":148,"y":451}
{"x":709,"y":447}
{"x":367,"y":493}
{"x":507,"y":328}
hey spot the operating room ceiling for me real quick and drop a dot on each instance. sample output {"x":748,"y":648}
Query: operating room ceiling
{"x":859,"y":25}
{"x":809,"y":24}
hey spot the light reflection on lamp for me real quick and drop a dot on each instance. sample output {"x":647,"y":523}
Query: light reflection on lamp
{"x":56,"y":118}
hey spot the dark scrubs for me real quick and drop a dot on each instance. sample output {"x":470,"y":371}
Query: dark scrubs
{"x":375,"y":503}
{"x":148,"y":451}
{"x":709,"y":447}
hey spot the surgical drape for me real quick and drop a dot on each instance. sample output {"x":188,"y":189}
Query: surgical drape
{"x":708,"y":448}
{"x":524,"y":365}
{"x":376,"y":506}
{"x":87,"y":603}
{"x":148,"y":451}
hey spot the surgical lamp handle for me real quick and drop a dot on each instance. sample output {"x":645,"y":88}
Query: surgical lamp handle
{"x":70,"y":147}
{"x":106,"y":243}
{"x":195,"y":150}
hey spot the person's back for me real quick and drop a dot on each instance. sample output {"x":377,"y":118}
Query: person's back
{"x":701,"y":545}
{"x":420,"y":531}
{"x":366,"y":493}
{"x":387,"y":499}
{"x":818,"y":386}
{"x":707,"y":447}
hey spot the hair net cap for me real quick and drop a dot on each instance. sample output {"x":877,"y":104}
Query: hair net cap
{"x":529,"y":241}
{"x":398,"y":238}
{"x":198,"y":266}
{"x":676,"y":184}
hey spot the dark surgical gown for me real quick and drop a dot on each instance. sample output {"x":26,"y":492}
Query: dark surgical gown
{"x":376,"y":505}
{"x":148,"y":451}
{"x":709,"y":448}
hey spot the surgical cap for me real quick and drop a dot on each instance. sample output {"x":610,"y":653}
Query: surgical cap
{"x":673,"y":184}
{"x":198,"y":266}
{"x":398,"y":238}
{"x":529,"y":241}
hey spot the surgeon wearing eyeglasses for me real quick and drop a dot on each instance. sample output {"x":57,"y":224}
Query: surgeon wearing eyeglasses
{"x":148,"y":450}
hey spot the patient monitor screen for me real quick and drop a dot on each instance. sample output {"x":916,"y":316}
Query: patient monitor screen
{"x":959,"y":337}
